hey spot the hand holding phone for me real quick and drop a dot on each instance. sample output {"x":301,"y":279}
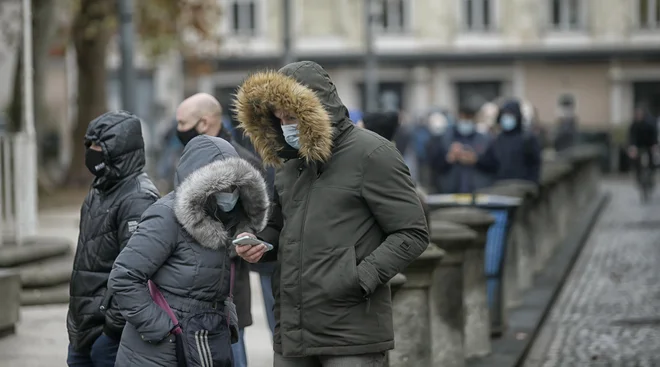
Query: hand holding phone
{"x":250,"y":241}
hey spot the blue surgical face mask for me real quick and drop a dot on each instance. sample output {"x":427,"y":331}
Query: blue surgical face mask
{"x":508,"y":122}
{"x":291,"y":135}
{"x":227,"y":200}
{"x":465,"y":127}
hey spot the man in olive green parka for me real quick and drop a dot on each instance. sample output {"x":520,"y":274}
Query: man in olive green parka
{"x":346,"y":219}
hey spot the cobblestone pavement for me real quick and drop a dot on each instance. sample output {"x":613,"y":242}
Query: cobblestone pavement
{"x":608,"y":313}
{"x":41,"y":339}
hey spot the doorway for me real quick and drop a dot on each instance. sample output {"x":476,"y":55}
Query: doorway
{"x":648,"y":94}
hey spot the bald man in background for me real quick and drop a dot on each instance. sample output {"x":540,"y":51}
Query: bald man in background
{"x":201,"y":114}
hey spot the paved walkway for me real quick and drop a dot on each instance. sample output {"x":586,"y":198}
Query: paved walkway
{"x":608,"y":313}
{"x":41,"y":339}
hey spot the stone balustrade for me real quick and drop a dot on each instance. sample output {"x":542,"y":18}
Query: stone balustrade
{"x":441,"y":312}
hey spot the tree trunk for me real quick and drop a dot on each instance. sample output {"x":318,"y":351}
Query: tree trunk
{"x":43,"y":28}
{"x":91,"y":34}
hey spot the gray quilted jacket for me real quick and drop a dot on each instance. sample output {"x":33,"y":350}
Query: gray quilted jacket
{"x":182,"y":247}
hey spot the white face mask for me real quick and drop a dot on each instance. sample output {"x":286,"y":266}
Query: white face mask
{"x":437,"y":124}
{"x":291,"y":135}
{"x":227,"y":200}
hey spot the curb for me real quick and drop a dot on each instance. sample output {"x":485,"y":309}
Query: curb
{"x":537,"y":302}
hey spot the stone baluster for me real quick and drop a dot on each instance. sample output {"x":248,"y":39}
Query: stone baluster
{"x":447,"y":315}
{"x":475,"y":302}
{"x":518,"y":275}
{"x":411,"y":309}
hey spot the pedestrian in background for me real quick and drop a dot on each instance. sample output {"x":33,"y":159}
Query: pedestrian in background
{"x":119,"y":195}
{"x":464,"y":161}
{"x":518,"y":150}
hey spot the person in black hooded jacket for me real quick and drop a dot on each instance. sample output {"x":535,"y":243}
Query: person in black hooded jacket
{"x":120,"y":193}
{"x":517,"y":150}
{"x":387,"y":125}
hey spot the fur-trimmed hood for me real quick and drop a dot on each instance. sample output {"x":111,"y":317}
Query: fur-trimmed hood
{"x":303,"y":89}
{"x":209,"y":165}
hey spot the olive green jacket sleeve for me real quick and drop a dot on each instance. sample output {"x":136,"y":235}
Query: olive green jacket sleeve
{"x":390,"y":194}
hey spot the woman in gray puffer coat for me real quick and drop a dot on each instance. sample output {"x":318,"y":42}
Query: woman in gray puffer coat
{"x":182,"y":244}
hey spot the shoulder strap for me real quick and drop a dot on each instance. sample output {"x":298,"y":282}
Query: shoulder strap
{"x":158,"y":298}
{"x":232,"y":271}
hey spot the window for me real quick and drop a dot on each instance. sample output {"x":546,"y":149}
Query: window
{"x":392,"y":15}
{"x":648,"y":14}
{"x":476,"y":94}
{"x":478,"y":15}
{"x":243,"y":17}
{"x":566,"y":15}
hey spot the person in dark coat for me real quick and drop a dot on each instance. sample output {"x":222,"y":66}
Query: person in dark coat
{"x":120,"y":193}
{"x":183,"y":245}
{"x":353,"y":219}
{"x":642,"y":139}
{"x":464,"y":160}
{"x":201,"y":114}
{"x":387,"y":125}
{"x":518,"y":151}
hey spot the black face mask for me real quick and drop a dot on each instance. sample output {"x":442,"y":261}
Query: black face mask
{"x":95,"y":162}
{"x":188,"y":135}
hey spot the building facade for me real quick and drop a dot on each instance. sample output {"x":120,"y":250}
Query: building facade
{"x":439,"y":53}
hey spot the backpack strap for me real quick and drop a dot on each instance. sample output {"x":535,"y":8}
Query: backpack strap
{"x":232,"y":272}
{"x":158,"y":298}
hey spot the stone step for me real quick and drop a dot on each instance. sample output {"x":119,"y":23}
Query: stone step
{"x":46,"y":273}
{"x":32,"y":250}
{"x":45,"y":296}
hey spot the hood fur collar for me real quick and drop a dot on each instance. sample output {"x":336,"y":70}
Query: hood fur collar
{"x":263,"y":93}
{"x":193,"y":193}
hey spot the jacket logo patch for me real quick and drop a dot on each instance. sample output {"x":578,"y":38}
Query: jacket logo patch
{"x":132,"y":226}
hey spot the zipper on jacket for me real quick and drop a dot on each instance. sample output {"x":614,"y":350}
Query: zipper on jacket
{"x":368,"y":304}
{"x":300,"y":252}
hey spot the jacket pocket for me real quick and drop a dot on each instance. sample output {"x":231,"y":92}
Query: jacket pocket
{"x":206,"y":340}
{"x":344,"y":284}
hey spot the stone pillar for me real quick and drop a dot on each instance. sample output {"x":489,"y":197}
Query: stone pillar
{"x":411,"y":309}
{"x":10,"y":302}
{"x":475,"y":302}
{"x":447,"y":315}
{"x":518,"y":275}
{"x":396,"y":283}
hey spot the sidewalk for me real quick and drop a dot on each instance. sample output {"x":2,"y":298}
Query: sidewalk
{"x":41,"y":338}
{"x":608,"y":312}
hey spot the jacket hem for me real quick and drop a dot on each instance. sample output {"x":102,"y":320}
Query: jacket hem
{"x":339,"y":350}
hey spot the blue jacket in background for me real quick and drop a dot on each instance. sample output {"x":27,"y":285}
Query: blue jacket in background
{"x":518,"y":151}
{"x":457,"y":178}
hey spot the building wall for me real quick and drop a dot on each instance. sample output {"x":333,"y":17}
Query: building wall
{"x":588,"y":82}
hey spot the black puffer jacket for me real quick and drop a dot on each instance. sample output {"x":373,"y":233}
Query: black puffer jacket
{"x":108,"y":217}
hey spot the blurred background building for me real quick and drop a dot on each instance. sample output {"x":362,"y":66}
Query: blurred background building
{"x":431,"y":53}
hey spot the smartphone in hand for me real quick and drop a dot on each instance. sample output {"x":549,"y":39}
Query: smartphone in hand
{"x":249,"y":241}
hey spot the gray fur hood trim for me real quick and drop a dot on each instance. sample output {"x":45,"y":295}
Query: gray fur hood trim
{"x":192,"y":195}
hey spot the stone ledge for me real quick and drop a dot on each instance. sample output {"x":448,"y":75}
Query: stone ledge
{"x":47,"y":273}
{"x":10,"y":288}
{"x":45,"y":296}
{"x":34,"y":249}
